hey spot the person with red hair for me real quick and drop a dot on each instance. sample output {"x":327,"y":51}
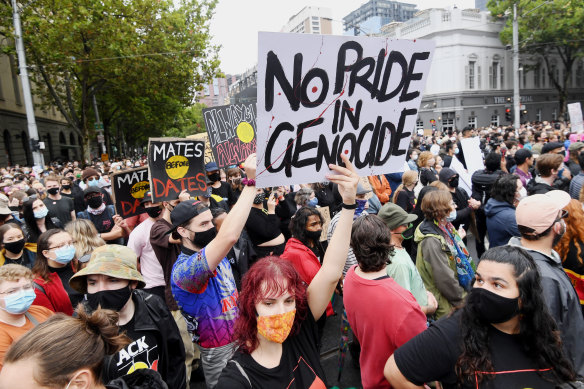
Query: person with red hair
{"x":276,"y":329}
{"x":571,"y":247}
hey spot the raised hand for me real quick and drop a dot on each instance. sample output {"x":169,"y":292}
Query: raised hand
{"x":346,"y":179}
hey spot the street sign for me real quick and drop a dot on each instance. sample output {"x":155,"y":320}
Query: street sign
{"x":104,"y":157}
{"x":100,"y":139}
{"x":98,"y":126}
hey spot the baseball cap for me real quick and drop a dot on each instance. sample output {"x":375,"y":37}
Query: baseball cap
{"x":446,"y":174}
{"x":539,"y":211}
{"x":522,"y":154}
{"x":112,"y":260}
{"x":551,"y":146}
{"x":575,"y":146}
{"x":147,"y":198}
{"x":91,"y":189}
{"x":185,"y":211}
{"x":361,"y":189}
{"x":394,"y":216}
{"x":211,"y":166}
{"x":4,"y":210}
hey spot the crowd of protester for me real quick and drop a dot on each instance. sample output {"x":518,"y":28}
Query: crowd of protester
{"x":442,"y":284}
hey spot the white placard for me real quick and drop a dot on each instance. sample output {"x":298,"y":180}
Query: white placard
{"x":576,"y":123}
{"x":473,"y":156}
{"x":464,"y":178}
{"x":322,"y":95}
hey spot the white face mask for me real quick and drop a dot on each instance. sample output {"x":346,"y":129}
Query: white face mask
{"x":415,"y":157}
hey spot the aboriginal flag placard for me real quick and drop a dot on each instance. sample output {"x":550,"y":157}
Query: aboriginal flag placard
{"x":176,"y":164}
{"x":128,"y":189}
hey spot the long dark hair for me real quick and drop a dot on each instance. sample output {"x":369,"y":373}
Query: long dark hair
{"x":538,"y":334}
{"x":297,"y":224}
{"x":41,"y":266}
{"x":30,"y":220}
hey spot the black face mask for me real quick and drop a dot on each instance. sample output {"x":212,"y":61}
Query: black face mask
{"x":562,"y":153}
{"x":453,"y":183}
{"x":259,"y":198}
{"x":203,"y":238}
{"x":154,"y":212}
{"x":214,"y":177}
{"x":491,"y":307}
{"x":14,"y":247}
{"x":66,"y":187}
{"x":109,"y":299}
{"x":95,"y":202}
{"x":53,"y":191}
{"x":314,"y":236}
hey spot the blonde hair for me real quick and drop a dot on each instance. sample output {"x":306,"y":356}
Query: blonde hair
{"x":408,"y":178}
{"x":14,"y":272}
{"x":85,"y":236}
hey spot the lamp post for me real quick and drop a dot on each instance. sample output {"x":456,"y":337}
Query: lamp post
{"x":33,"y":134}
{"x":516,"y":97}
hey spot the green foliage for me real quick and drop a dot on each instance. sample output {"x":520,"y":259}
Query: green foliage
{"x":188,"y":122}
{"x":142,"y":59}
{"x":547,"y":29}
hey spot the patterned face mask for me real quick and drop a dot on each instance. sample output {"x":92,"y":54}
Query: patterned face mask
{"x":276,"y":328}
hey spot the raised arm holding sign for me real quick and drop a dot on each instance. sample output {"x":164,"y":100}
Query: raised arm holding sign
{"x":323,"y":96}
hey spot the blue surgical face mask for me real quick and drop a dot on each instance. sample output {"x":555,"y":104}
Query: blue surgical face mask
{"x":65,"y":254}
{"x":93,"y":182}
{"x":40,"y":213}
{"x":452,"y":216}
{"x":19,"y":302}
{"x":456,"y":150}
{"x":313,"y":202}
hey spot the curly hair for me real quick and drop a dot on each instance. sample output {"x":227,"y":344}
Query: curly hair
{"x":424,"y":157}
{"x":269,"y":275}
{"x":504,"y":188}
{"x":574,"y":231}
{"x":298,"y":222}
{"x":538,"y":332}
{"x":371,"y":243}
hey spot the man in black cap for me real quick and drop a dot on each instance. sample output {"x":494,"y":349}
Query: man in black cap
{"x":111,"y":227}
{"x":554,"y":148}
{"x":202,"y":281}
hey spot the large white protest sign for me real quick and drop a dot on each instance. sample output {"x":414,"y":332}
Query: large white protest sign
{"x":464,"y":178}
{"x":576,"y":123}
{"x":473,"y":156}
{"x":320,"y":96}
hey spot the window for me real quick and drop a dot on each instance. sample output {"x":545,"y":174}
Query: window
{"x":555,"y":114}
{"x":501,"y":70}
{"x":472,"y":122}
{"x":536,"y":78}
{"x":495,"y":120}
{"x":15,"y":83}
{"x":419,"y":124}
{"x":471,"y":75}
{"x":494,"y":75}
{"x":448,"y":121}
{"x":543,"y":80}
{"x":580,"y":74}
{"x":538,"y":115}
{"x":523,"y":76}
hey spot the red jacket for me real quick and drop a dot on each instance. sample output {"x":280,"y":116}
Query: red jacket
{"x":305,"y":263}
{"x":52,"y":295}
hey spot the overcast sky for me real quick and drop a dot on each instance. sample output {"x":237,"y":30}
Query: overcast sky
{"x":237,"y":22}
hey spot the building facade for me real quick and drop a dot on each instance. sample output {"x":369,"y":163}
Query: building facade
{"x":471,"y":78}
{"x":481,"y":4}
{"x":61,"y":141}
{"x":371,"y":16}
{"x":311,"y":20}
{"x":215,"y":93}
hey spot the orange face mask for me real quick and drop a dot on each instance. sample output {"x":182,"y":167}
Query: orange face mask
{"x":276,"y":327}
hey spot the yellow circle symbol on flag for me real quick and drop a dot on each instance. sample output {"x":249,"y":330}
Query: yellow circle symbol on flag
{"x":139,"y":188}
{"x":244,"y":132}
{"x":136,"y":366}
{"x":177,"y":166}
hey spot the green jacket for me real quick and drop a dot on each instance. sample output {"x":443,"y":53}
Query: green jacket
{"x":437,"y":268}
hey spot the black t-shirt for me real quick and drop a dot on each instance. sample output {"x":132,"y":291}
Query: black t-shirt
{"x":432,"y":355}
{"x":65,"y":273}
{"x":142,"y":353}
{"x":61,"y":209}
{"x":299,"y":366}
{"x":225,"y":192}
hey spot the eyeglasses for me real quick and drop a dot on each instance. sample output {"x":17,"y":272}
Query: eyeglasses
{"x":13,"y":291}
{"x":70,"y":243}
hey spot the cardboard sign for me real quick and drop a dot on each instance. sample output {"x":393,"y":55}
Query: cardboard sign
{"x":128,"y":188}
{"x":576,"y":123}
{"x":204,"y":138}
{"x":176,"y":164}
{"x":320,"y":96}
{"x":231,"y":130}
{"x":104,"y":157}
{"x":473,"y":156}
{"x":326,"y":218}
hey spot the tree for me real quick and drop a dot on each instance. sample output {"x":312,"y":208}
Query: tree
{"x":142,"y":59}
{"x":547,"y":29}
{"x":188,"y":122}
